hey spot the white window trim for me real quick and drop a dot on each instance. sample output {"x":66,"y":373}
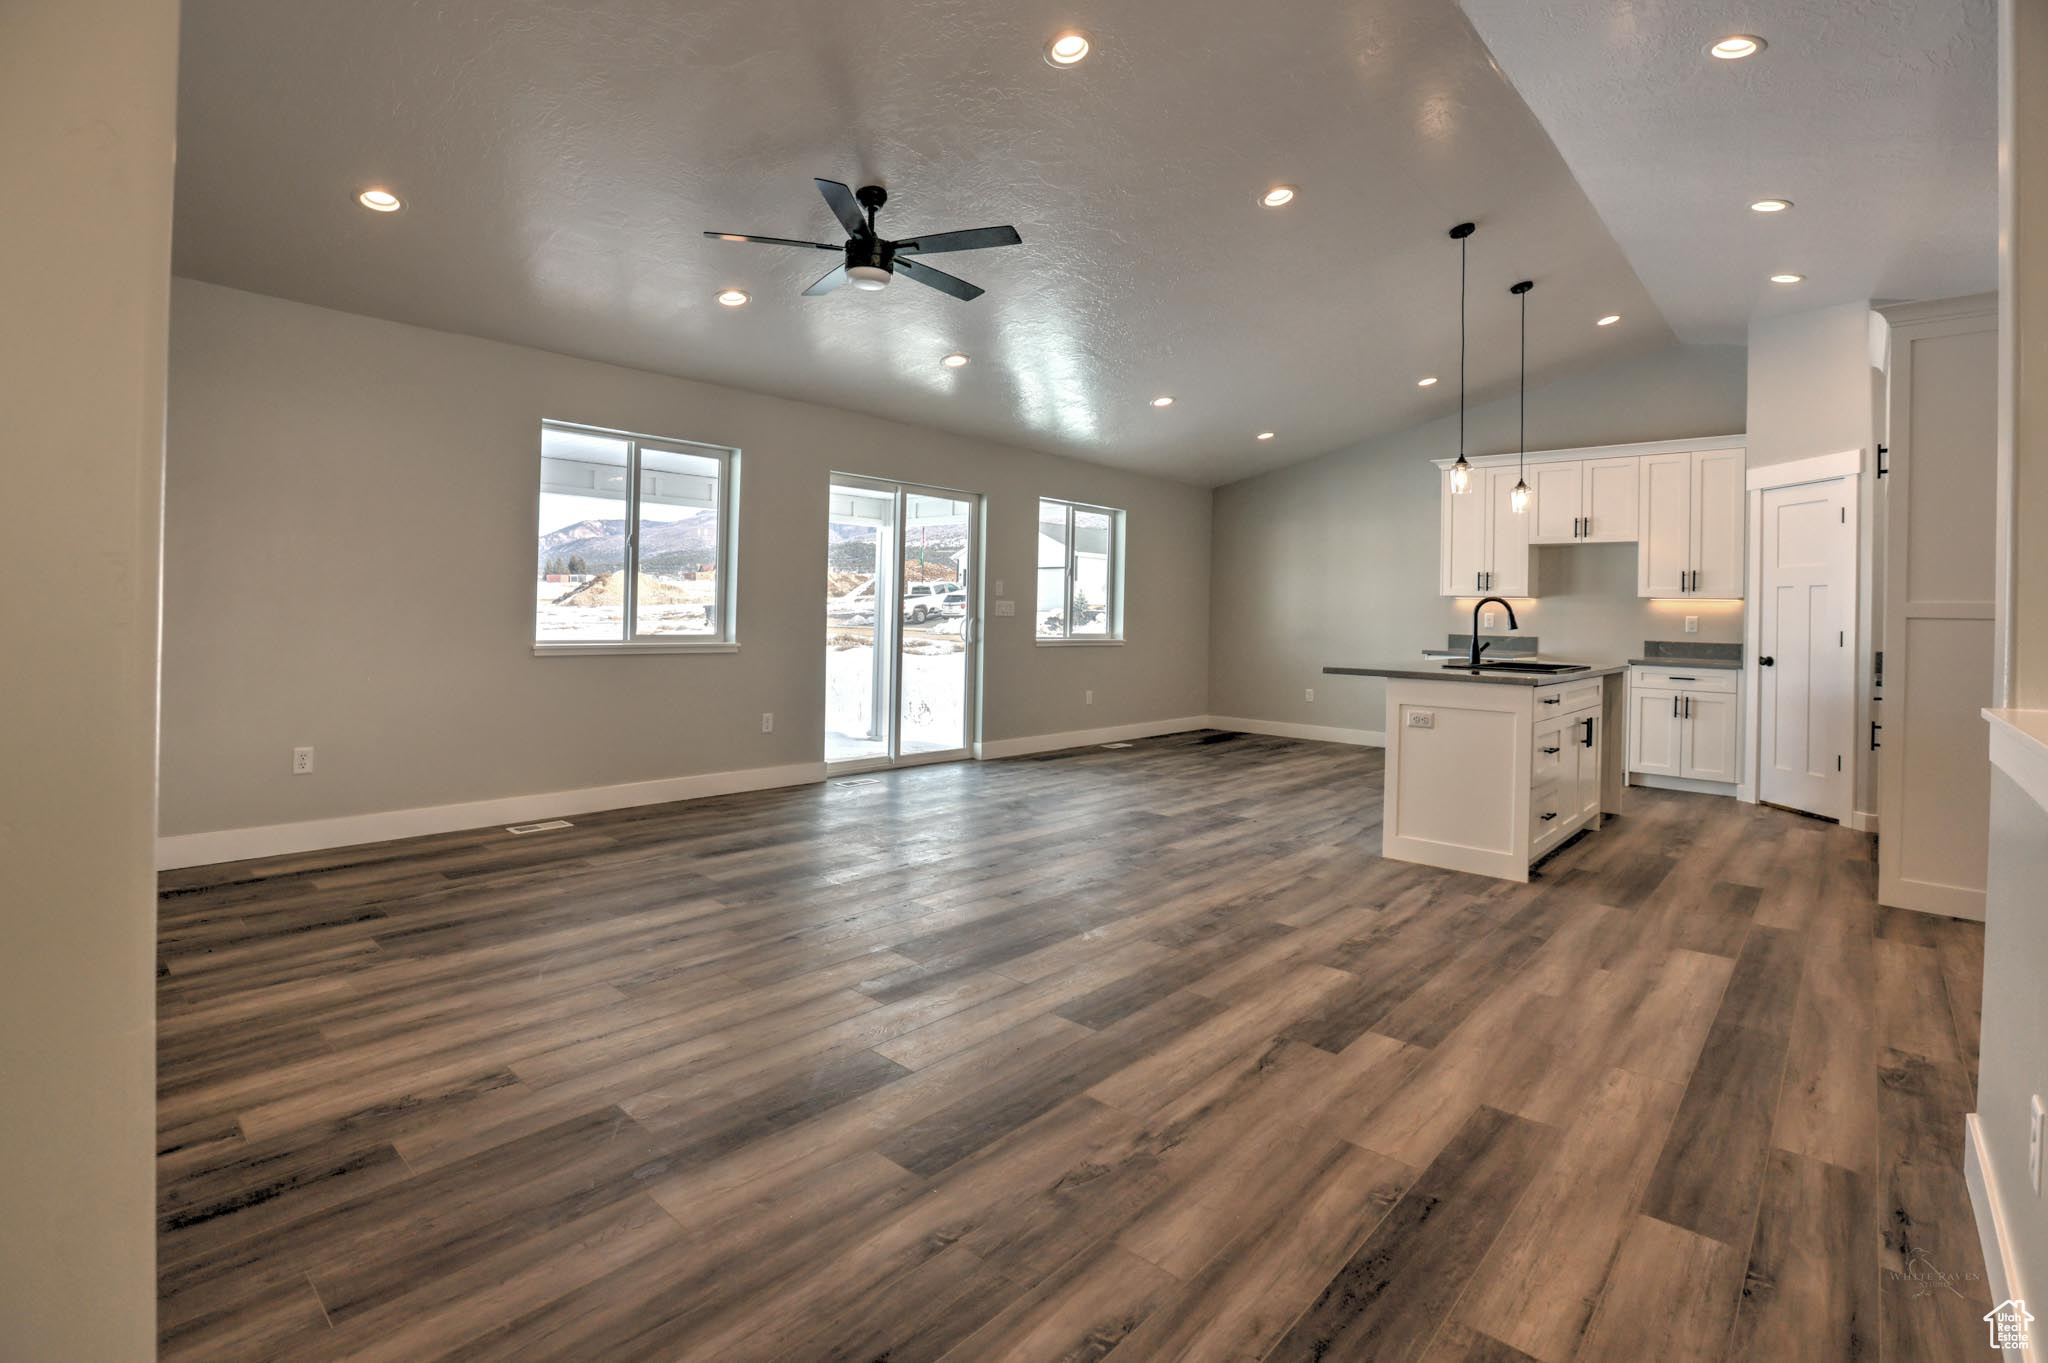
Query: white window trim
{"x":1115,"y":634}
{"x":727,"y":639}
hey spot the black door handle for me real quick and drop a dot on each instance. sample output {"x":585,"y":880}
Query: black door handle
{"x":1767,"y":661}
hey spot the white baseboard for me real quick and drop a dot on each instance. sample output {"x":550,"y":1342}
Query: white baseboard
{"x":1317,"y":733}
{"x":1084,"y":738}
{"x":240,"y":844}
{"x":1864,"y":821}
{"x":1685,"y":783}
{"x":1999,"y":1273}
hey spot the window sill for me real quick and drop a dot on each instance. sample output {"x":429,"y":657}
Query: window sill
{"x":1079,"y":643}
{"x":638,"y":646}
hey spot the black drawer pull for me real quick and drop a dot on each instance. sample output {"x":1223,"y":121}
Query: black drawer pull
{"x":1551,"y":815}
{"x":1554,"y":700}
{"x":1552,"y":750}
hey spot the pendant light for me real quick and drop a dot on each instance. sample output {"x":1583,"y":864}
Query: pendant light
{"x":1461,"y":472}
{"x":1519,"y":498}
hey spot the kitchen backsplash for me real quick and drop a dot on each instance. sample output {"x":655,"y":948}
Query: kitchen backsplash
{"x":1691,"y":648}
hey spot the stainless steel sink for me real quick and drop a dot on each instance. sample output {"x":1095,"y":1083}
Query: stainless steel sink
{"x":1504,"y":665}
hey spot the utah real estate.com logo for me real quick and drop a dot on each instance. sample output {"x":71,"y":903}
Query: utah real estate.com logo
{"x":2008,"y":1322}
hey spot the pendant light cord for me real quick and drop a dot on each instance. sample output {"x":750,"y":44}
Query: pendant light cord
{"x":1522,"y":415}
{"x":1461,"y":345}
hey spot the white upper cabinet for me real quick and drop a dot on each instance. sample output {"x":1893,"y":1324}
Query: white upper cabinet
{"x":1611,"y":511}
{"x":1583,"y":501}
{"x":1690,"y":521}
{"x":1683,"y":509}
{"x":1485,"y":544}
{"x":1558,"y":508}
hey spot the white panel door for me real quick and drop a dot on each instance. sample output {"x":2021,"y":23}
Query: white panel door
{"x":1717,"y":516}
{"x":1664,"y":502}
{"x":1806,"y":678}
{"x":1710,"y":728}
{"x":1609,"y":499}
{"x":1584,"y":738}
{"x":1508,"y":568}
{"x":1463,"y":554}
{"x":1653,"y":732}
{"x":1934,"y":775}
{"x":1555,"y":513}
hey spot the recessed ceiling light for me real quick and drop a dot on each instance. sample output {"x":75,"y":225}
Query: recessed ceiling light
{"x":1788,"y":279}
{"x":1066,"y":49}
{"x":1736,"y":46}
{"x":1429,"y":382}
{"x":379,"y":201}
{"x":1770,"y":205}
{"x":1279,"y":196}
{"x":1162,"y":402}
{"x":1265,"y":435}
{"x":733,"y":298}
{"x":954,"y":360}
{"x":1609,"y":320}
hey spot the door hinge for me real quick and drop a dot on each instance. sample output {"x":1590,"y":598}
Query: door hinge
{"x":1883,"y":460}
{"x":1874,"y":727}
{"x":1838,"y":761}
{"x":1845,"y":514}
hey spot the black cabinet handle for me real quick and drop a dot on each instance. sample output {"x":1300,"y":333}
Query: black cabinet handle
{"x":1674,"y":707}
{"x":1553,"y":750}
{"x":1551,"y":815}
{"x":1688,"y":707}
{"x":1588,"y":722}
{"x":1555,"y":700}
{"x":1767,"y":661}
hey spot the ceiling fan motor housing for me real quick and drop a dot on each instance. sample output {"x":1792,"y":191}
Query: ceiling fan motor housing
{"x":869,"y":261}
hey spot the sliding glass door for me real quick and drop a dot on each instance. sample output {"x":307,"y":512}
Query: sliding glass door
{"x":902,"y":618}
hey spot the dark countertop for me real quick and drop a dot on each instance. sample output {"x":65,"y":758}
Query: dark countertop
{"x":1410,"y":672}
{"x":1724,"y":664}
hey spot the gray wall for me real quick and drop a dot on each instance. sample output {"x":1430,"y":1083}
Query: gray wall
{"x":349,"y":545}
{"x":88,"y":101}
{"x":1335,"y":560}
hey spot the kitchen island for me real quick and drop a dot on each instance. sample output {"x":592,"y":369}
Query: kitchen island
{"x":1491,"y":768}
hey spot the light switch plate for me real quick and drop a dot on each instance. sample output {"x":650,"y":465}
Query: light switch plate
{"x":998,"y":585}
{"x":1006,"y":608}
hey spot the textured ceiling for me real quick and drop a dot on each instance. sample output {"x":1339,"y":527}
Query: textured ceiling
{"x":1877,"y":118}
{"x":559,"y":160}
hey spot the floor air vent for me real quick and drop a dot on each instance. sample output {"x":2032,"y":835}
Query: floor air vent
{"x":538,"y":827}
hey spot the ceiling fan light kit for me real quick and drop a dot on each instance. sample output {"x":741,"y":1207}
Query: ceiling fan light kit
{"x":871,"y":259}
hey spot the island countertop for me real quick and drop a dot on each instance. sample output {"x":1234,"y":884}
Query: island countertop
{"x":1490,"y":675}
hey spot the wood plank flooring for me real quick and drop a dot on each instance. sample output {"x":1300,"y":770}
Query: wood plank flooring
{"x":1124,"y":1055}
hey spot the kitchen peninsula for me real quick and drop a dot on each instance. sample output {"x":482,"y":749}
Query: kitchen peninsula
{"x":1490,"y":768}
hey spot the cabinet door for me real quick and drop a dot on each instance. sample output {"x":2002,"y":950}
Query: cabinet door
{"x":1664,"y":525}
{"x":1555,"y":512}
{"x":1709,"y":736}
{"x":1508,"y":562}
{"x":1463,"y":553}
{"x":1608,"y":500}
{"x":1653,"y":732}
{"x":1583,"y":738}
{"x":1717,"y":522}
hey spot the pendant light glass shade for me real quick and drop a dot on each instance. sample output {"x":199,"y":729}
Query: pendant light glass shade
{"x":1461,"y":472}
{"x":1519,"y":498}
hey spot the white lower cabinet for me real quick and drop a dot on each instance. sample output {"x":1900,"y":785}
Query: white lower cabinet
{"x":1684,"y":725}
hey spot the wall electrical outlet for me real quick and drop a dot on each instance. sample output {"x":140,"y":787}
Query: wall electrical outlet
{"x":1486,"y":619}
{"x":1692,"y":624}
{"x":768,"y":723}
{"x":1087,"y":697}
{"x":2034,"y":1118}
{"x":1422,"y":719}
{"x":302,"y":761}
{"x":1309,"y":695}
{"x":998,"y":585}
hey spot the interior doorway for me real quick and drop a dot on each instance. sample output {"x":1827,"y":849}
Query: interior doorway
{"x":1806,"y":678}
{"x":902,"y":623}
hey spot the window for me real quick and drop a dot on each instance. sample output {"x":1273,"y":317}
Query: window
{"x":635,"y":544}
{"x":1080,"y":573}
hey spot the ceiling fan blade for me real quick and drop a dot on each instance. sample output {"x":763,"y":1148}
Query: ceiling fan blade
{"x":938,"y":279}
{"x":843,"y":207}
{"x":973,"y":239}
{"x":827,"y":282}
{"x":773,"y":241}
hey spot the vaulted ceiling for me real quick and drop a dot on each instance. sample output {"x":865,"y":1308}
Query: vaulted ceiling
{"x":558,"y":161}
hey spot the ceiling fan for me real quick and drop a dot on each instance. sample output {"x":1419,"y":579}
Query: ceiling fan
{"x":871,"y":258}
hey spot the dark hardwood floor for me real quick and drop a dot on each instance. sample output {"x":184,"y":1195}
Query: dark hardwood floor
{"x":1139,"y":1054}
